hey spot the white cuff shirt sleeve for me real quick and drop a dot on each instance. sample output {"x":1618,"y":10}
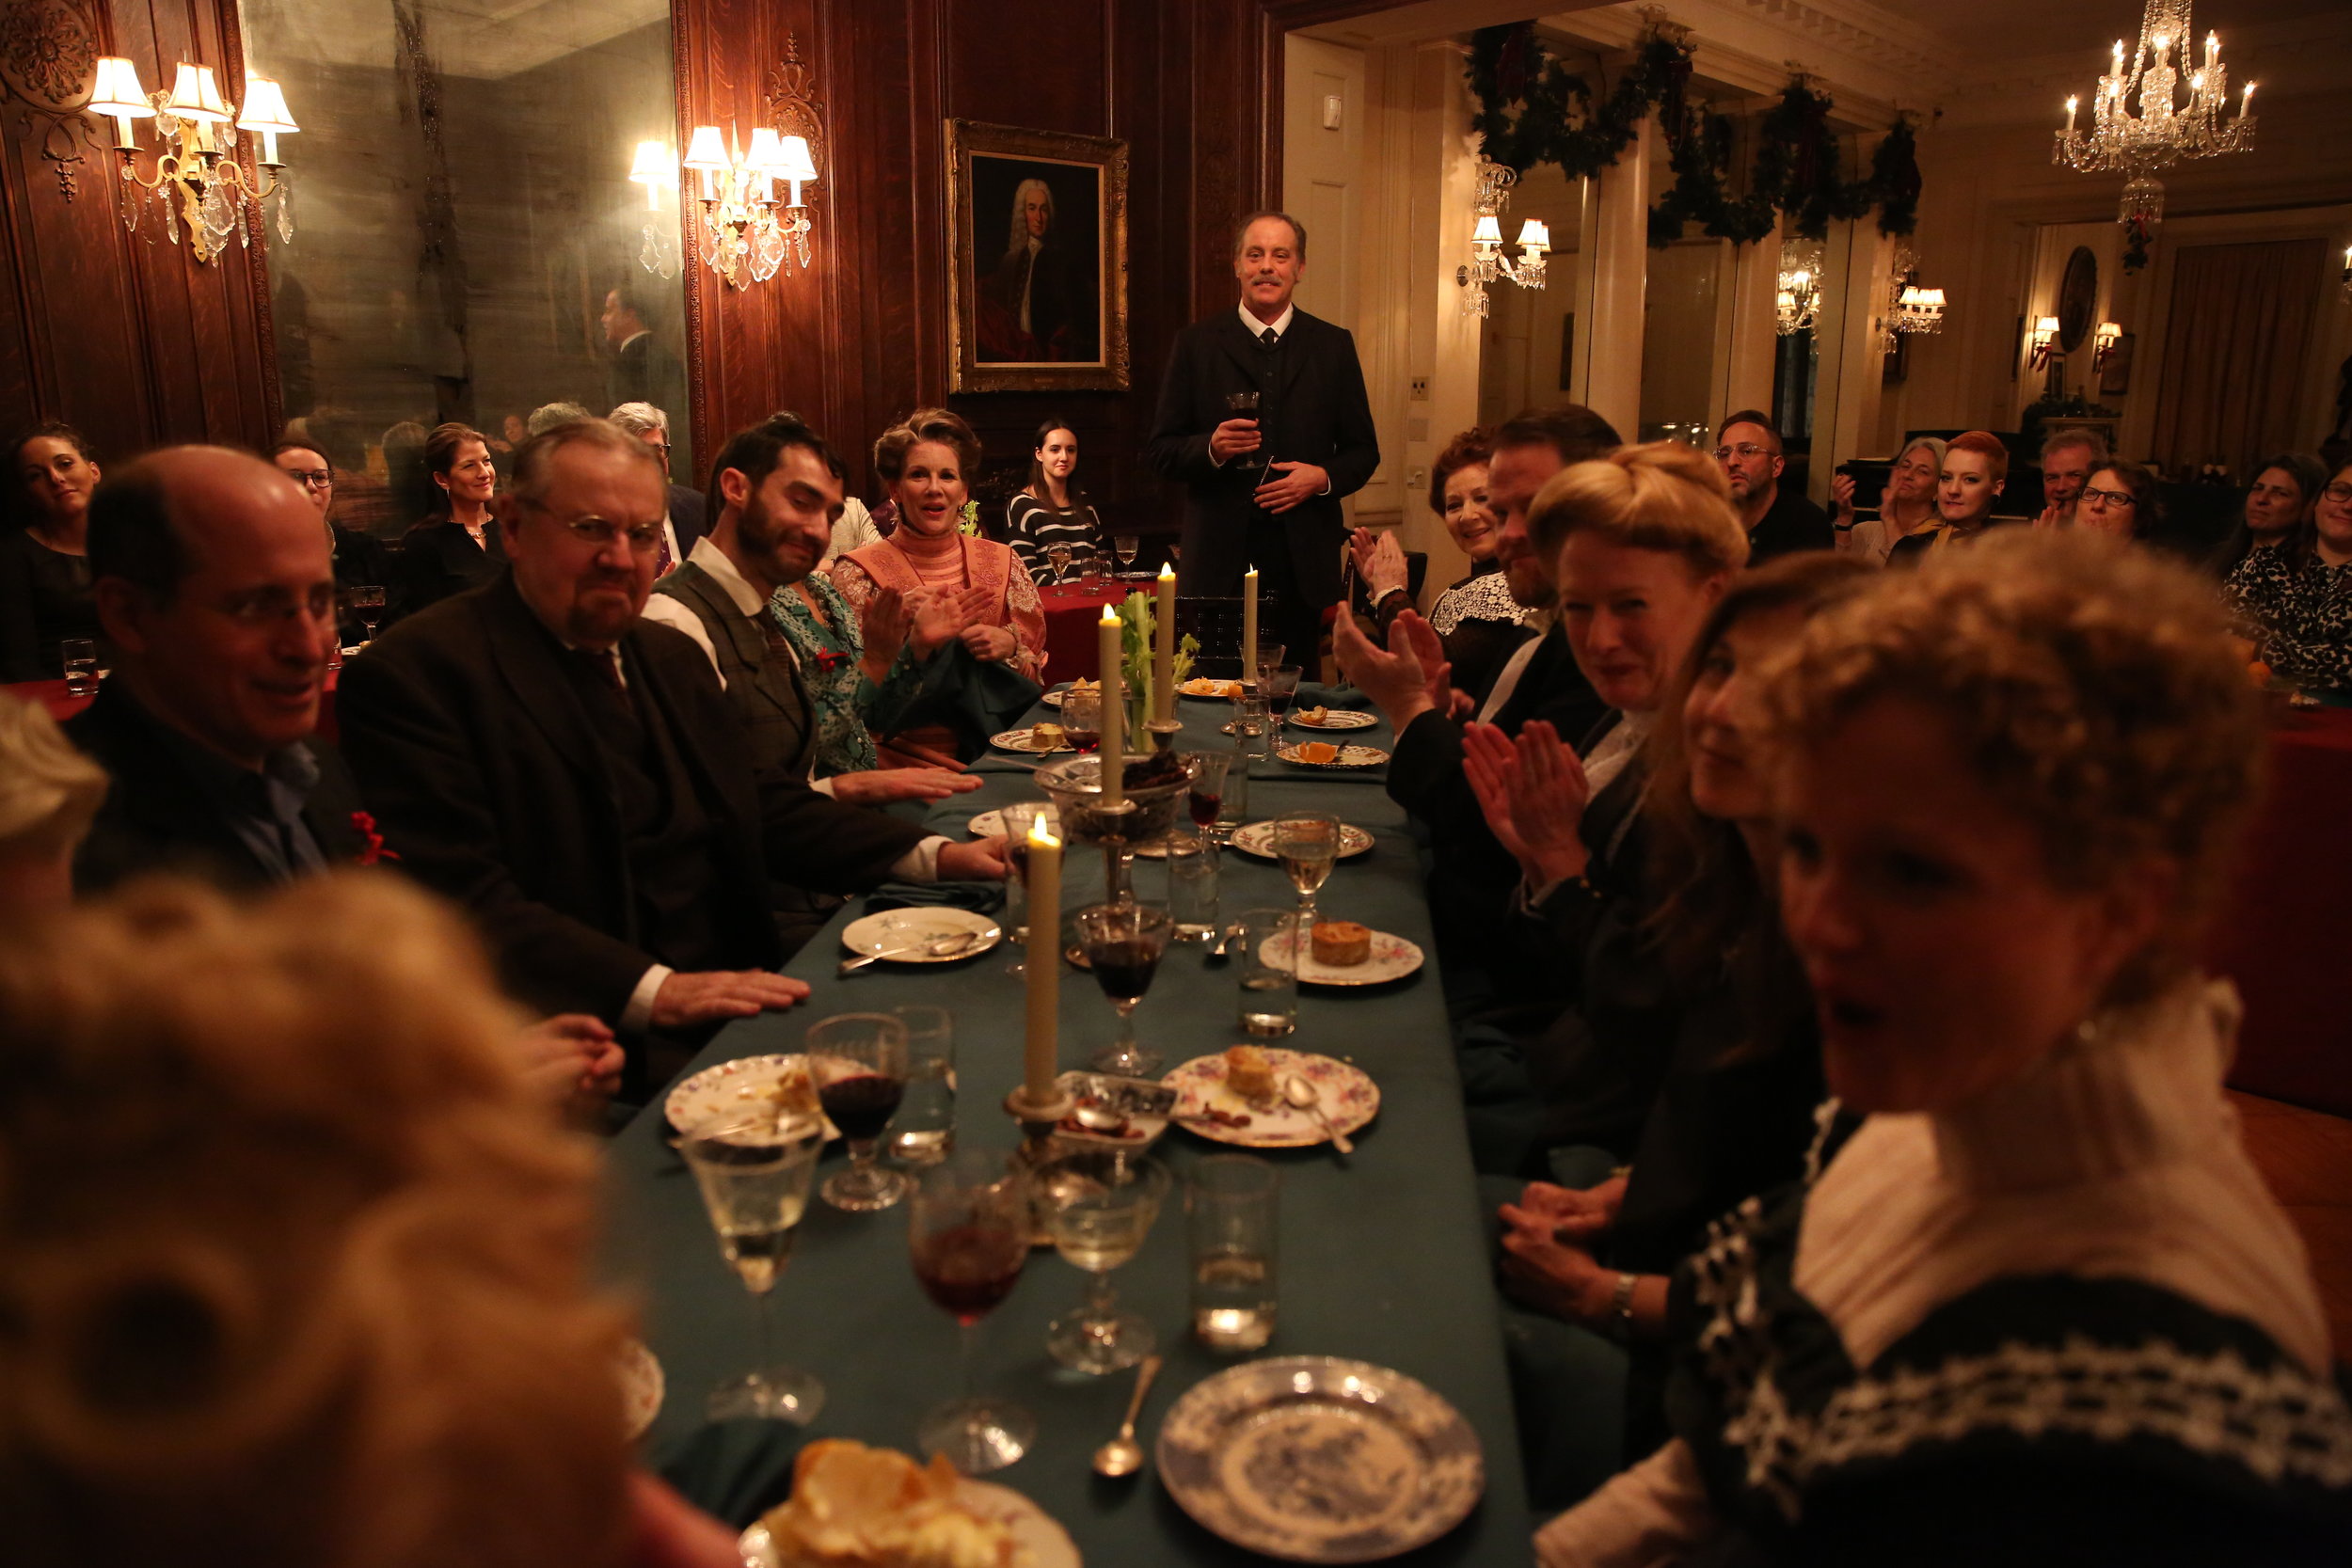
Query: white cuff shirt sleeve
{"x":920,"y":863}
{"x":639,"y":1013}
{"x":822,"y":786}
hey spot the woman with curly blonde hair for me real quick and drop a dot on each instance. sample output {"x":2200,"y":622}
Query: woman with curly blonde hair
{"x":293,"y":1267}
{"x":2039,"y":1307}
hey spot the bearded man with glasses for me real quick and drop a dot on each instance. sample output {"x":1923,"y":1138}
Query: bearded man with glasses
{"x":1780,"y":521}
{"x":576,"y":776}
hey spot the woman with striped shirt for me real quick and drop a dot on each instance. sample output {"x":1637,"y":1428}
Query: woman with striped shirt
{"x":1051,"y":518}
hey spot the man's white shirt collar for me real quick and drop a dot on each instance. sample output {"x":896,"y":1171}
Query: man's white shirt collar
{"x":1280,"y":324}
{"x":711,"y":558}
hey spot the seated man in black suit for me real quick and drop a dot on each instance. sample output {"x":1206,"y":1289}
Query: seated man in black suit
{"x":1780,"y":521}
{"x":214,"y":580}
{"x":576,"y":776}
{"x":1472,"y":875}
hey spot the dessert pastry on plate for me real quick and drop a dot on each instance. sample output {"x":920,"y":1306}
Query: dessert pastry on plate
{"x":1340,"y":944}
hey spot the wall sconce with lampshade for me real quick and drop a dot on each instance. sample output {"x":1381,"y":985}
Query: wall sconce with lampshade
{"x":1487,"y":262}
{"x":197,"y":129}
{"x":2103,"y":345}
{"x":744,"y":233}
{"x":656,"y":168}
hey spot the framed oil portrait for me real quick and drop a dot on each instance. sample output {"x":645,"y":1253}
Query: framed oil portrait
{"x":1037,"y":224}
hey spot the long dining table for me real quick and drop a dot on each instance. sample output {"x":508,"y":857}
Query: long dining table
{"x":1383,"y":1255}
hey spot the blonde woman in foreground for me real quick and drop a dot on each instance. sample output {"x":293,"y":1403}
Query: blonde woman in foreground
{"x":293,"y":1266}
{"x":2038,"y":1308}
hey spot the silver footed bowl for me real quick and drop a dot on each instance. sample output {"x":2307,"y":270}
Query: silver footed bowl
{"x":1075,"y":784}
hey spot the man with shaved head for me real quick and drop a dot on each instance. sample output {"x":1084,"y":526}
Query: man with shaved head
{"x":215,"y":585}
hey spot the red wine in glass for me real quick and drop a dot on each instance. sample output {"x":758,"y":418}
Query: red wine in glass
{"x":1203,"y":807}
{"x":862,"y":1104}
{"x":1278,"y":701}
{"x":970,"y":1269}
{"x":1124,"y":969}
{"x":1017,"y":860}
{"x":1085,"y":740}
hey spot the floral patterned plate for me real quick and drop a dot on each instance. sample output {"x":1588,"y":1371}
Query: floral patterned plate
{"x":1348,"y":1095}
{"x":1018,"y":740}
{"x":642,"y":1387}
{"x":1333,"y":718}
{"x":745,"y":1084}
{"x":1209,"y":691}
{"x":1391,"y":959}
{"x":1038,"y":1538}
{"x":991,"y":824}
{"x":1349,"y":757}
{"x":1257,"y":838}
{"x":1314,"y":1458}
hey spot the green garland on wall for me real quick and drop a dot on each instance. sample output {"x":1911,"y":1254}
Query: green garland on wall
{"x":1530,"y":109}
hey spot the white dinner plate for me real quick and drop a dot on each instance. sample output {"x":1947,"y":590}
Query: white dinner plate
{"x":1018,"y":740}
{"x":642,"y":1387}
{"x":903,"y":933}
{"x":1257,"y":838}
{"x":736,"y":1085}
{"x":1392,"y":958}
{"x":1334,"y":719}
{"x":1347,"y":1092}
{"x":1350,"y":756}
{"x":991,"y":824}
{"x":1201,"y":689}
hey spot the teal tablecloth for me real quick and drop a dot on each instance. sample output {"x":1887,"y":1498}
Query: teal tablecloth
{"x":1382,"y":1257}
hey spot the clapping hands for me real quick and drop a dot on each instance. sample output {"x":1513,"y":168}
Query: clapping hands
{"x":1408,"y":678}
{"x":1534,"y":794}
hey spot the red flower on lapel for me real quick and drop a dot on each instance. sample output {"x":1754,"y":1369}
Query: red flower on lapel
{"x":371,"y":842}
{"x":828,"y":659}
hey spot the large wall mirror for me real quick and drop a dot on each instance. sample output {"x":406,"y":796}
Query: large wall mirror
{"x":466,"y":241}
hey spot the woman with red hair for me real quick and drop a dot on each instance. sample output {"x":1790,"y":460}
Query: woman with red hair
{"x":1975,"y":466}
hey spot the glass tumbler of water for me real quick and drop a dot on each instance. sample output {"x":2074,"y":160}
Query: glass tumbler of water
{"x":1191,"y":862}
{"x":80,"y":657}
{"x":923,"y":1130}
{"x":1268,"y":962}
{"x":1231,"y":1209}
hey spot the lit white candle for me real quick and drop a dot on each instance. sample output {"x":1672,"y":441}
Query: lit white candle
{"x":1164,"y":648}
{"x":2071,"y":104}
{"x":1249,"y":625}
{"x":1043,"y":968}
{"x":1114,"y":710}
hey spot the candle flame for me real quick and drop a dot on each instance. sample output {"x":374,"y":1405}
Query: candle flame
{"x":1041,"y":836}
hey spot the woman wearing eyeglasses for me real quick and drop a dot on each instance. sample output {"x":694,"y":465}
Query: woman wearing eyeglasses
{"x":456,"y":544}
{"x":2119,"y":499}
{"x":45,"y":567}
{"x":2300,"y":595}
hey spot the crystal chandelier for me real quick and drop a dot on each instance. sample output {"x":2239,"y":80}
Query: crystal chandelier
{"x":1798,"y":297}
{"x":1914,"y":309}
{"x":2179,"y":103}
{"x":1487,"y":262}
{"x":197,"y":161}
{"x":744,"y":235}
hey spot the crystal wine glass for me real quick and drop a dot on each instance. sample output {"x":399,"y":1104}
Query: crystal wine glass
{"x":755,"y":1172}
{"x":859,"y":1061}
{"x":1058,"y":557}
{"x":1123,"y":944}
{"x":1307,"y":844}
{"x":968,"y":1231}
{"x":367,"y":600}
{"x":1127,"y":545}
{"x":1099,"y":1206}
{"x":1279,"y":684}
{"x":1204,"y":791}
{"x":1082,"y":719}
{"x":1269,"y":660}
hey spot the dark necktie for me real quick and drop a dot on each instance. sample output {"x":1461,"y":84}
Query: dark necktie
{"x":1270,"y":338}
{"x":606,"y":668}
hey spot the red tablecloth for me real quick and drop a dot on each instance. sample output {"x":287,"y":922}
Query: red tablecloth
{"x":2288,"y":928}
{"x":62,"y":704}
{"x":1072,"y":612}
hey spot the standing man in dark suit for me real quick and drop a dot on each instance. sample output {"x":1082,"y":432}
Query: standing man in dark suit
{"x":1265,"y":488}
{"x":642,"y":370}
{"x":212,"y":578}
{"x":1780,"y":521}
{"x":576,"y":777}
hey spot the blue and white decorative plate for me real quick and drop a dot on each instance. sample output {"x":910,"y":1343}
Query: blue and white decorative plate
{"x":1314,"y":1458}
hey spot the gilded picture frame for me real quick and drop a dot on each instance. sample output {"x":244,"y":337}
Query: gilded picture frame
{"x":1037,"y":274}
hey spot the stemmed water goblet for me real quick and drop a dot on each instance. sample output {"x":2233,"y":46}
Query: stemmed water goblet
{"x":859,"y":1062}
{"x":1099,"y":1206}
{"x":754,"y":1172}
{"x":1123,"y":944}
{"x":1058,"y":557}
{"x":1125,"y":545}
{"x":968,"y":1233}
{"x":1306,"y":843}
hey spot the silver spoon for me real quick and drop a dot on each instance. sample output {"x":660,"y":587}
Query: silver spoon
{"x":1225,"y":941}
{"x":1095,"y":1117}
{"x":1302,"y":1094}
{"x":945,"y":946}
{"x":1122,"y":1455}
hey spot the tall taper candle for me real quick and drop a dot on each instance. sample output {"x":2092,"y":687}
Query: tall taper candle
{"x":1043,"y":969}
{"x":1164,"y":648}
{"x":1114,"y":709}
{"x":1250,"y":626}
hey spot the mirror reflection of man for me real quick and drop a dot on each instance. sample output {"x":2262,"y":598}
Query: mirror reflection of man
{"x":1264,"y":487}
{"x":642,"y":371}
{"x":1036,"y":306}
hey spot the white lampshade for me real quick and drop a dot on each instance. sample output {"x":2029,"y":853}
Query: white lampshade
{"x":764,"y":153}
{"x":706,"y":150}
{"x":653,"y":165}
{"x":196,"y":96}
{"x":1488,"y":232}
{"x":2045,"y":328}
{"x":118,"y":91}
{"x":265,"y":108}
{"x":1932,"y":299}
{"x":1535,"y":235}
{"x":796,"y":163}
{"x":1912,"y":297}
